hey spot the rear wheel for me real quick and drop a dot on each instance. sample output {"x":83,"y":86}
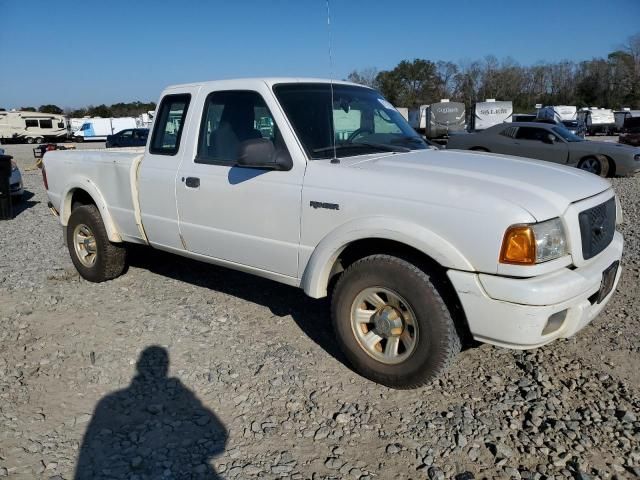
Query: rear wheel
{"x":30,"y":140}
{"x":392,"y":323}
{"x":92,"y":253}
{"x":596,"y":165}
{"x":39,"y":140}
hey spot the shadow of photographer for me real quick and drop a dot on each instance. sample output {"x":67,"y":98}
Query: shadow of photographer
{"x":155,"y":428}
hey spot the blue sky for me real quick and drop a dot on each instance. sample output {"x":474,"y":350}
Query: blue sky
{"x":96,"y":51}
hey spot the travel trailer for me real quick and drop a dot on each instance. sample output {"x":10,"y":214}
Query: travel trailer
{"x":621,"y":115}
{"x":404,"y":112}
{"x":100,"y":128}
{"x":443,"y":118}
{"x":418,"y":117}
{"x":597,"y":120}
{"x":559,"y":113}
{"x":490,"y":112}
{"x":32,"y":127}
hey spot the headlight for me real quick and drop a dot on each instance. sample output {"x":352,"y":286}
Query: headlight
{"x":534,"y":243}
{"x":636,"y":157}
{"x":14,"y":165}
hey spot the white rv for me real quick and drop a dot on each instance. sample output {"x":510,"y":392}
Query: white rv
{"x":418,"y":117}
{"x":404,"y":111}
{"x":559,"y":113}
{"x":621,"y":115}
{"x":444,"y":118}
{"x":489,"y":113}
{"x":32,"y":127}
{"x":100,"y":128}
{"x":597,"y":120}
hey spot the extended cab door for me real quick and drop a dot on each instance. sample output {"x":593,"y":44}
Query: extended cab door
{"x":246,"y":216}
{"x":159,"y":169}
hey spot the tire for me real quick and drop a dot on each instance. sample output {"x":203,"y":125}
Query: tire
{"x":30,"y":140}
{"x":39,"y":140}
{"x":78,"y":139}
{"x":597,"y":165}
{"x":435,"y":340}
{"x":479,"y":149}
{"x":104,"y":260}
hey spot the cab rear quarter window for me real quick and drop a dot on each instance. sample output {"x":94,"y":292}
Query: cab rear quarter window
{"x":169,"y":124}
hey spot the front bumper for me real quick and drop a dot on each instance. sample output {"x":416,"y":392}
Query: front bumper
{"x":514,"y":312}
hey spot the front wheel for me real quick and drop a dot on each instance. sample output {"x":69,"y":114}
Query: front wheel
{"x":392,"y":323}
{"x":92,"y":253}
{"x":30,"y":140}
{"x":596,"y":165}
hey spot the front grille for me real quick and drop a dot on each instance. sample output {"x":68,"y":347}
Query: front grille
{"x":597,"y":226}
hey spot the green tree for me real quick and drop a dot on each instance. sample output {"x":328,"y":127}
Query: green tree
{"x":410,"y":84}
{"x":28,"y":109}
{"x":50,"y":109}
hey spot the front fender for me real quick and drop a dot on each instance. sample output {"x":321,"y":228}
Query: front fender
{"x":317,"y":270}
{"x":88,"y":186}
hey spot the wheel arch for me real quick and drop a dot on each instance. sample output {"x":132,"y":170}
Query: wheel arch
{"x":357,"y":239}
{"x":87,"y":194}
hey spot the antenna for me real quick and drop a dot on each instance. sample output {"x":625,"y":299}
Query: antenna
{"x":333,"y":132}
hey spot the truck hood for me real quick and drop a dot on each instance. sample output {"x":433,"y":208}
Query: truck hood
{"x":543,"y":189}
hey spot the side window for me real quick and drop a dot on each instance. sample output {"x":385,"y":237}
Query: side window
{"x":509,"y":132}
{"x":30,"y":123}
{"x":60,"y":124}
{"x":126,"y":133}
{"x":169,"y":123}
{"x":529,"y":133}
{"x":230,"y":118}
{"x":47,"y":123}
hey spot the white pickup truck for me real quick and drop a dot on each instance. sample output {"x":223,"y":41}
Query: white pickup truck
{"x":417,"y":247}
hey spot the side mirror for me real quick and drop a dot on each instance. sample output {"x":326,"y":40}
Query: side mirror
{"x":549,"y":138}
{"x":261,"y":153}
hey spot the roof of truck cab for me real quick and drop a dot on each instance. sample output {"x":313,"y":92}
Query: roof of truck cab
{"x":270,"y":81}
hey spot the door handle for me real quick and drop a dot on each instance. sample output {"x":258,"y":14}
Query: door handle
{"x":192,"y":182}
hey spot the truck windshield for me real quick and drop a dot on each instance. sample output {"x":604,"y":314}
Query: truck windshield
{"x":360,"y":122}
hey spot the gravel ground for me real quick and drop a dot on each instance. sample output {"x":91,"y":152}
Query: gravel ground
{"x":255,"y":387}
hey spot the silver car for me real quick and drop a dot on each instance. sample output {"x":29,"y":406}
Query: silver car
{"x":16,"y":187}
{"x":553,"y":143}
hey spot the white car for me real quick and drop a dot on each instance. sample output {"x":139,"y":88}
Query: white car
{"x":417,"y":247}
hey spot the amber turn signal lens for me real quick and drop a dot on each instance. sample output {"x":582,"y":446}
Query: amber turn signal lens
{"x":518,"y":246}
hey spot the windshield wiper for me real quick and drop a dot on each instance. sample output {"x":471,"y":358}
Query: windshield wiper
{"x":381,"y":147}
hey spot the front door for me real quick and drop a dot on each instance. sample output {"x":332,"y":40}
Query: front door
{"x":246,"y":216}
{"x":536,"y":142}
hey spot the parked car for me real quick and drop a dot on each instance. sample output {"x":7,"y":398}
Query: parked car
{"x":554,"y":143}
{"x":417,"y":247}
{"x":16,"y":187}
{"x":94,"y":129}
{"x":131,"y":137}
{"x":630,"y":132}
{"x":575,"y":127}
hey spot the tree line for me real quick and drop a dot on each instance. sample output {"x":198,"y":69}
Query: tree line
{"x":612,"y":82}
{"x":131,"y":109}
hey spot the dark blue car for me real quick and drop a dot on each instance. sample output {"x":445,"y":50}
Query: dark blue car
{"x":131,"y":137}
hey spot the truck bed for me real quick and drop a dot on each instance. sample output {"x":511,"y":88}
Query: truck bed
{"x":115,"y":172}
